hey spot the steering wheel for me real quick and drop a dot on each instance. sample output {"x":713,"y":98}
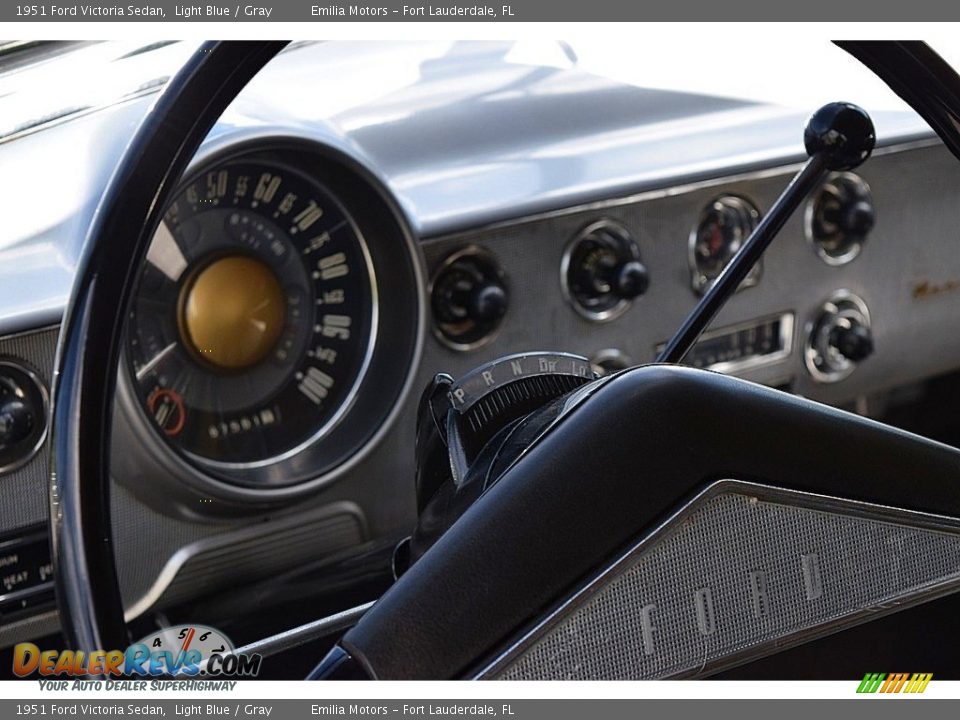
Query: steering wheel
{"x":88,"y":591}
{"x":664,"y":521}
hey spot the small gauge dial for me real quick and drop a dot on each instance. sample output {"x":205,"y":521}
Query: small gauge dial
{"x":181,"y":646}
{"x":723,"y":227}
{"x":254,"y":317}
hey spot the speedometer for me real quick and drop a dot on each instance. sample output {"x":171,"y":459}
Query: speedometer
{"x":255,"y":314}
{"x":273,"y":330}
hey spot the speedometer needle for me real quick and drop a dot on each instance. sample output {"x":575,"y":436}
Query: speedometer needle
{"x":155,"y":360}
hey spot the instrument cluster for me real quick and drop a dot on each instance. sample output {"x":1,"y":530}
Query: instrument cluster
{"x":257,"y":347}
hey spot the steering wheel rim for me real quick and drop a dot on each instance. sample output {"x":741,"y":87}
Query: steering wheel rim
{"x":85,"y":374}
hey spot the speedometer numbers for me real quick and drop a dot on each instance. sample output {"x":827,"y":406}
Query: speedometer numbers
{"x":254,"y":315}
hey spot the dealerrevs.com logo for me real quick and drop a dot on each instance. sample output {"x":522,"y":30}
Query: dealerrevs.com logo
{"x":911,"y":683}
{"x":181,"y":651}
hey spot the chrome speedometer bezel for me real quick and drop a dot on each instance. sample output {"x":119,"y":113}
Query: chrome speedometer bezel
{"x":302,"y":469}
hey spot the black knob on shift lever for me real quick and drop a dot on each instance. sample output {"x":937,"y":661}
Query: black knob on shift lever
{"x":841,"y":133}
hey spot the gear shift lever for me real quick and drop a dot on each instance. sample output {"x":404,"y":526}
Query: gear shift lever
{"x":838,"y":136}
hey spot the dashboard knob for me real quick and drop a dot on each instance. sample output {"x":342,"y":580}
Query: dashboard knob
{"x":840,"y":216}
{"x":601,"y":272}
{"x":839,"y":338}
{"x":632,"y":280}
{"x":23,"y":405}
{"x":857,"y":218}
{"x":16,"y":421}
{"x":853,"y":341}
{"x":469,"y":298}
{"x":487,"y":302}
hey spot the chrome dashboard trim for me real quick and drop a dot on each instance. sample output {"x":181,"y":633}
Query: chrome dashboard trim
{"x":305,"y":633}
{"x":731,"y":367}
{"x":178,"y":559}
{"x":788,"y":168}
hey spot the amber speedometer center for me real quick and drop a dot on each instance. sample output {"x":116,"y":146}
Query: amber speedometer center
{"x":233,"y":312}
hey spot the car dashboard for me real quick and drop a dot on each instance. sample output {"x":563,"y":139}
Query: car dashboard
{"x":414,"y":209}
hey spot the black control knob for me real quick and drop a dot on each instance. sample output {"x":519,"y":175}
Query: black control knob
{"x":23,"y":404}
{"x":857,"y":218}
{"x":632,"y":280}
{"x":840,"y":217}
{"x":16,"y":421}
{"x":840,"y":337}
{"x":601,"y":272}
{"x":469,"y":298}
{"x":853,"y":341}
{"x":487,"y":302}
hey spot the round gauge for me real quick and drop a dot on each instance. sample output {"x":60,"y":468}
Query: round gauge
{"x":839,"y":218}
{"x":183,"y":646}
{"x":254,"y":317}
{"x":723,"y":227}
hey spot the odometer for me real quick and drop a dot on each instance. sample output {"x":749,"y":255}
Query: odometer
{"x":255,"y":315}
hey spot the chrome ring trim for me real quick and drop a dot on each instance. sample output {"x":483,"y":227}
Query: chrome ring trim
{"x":698,"y":281}
{"x":595,"y":316}
{"x":466,"y":251}
{"x":830,"y":307}
{"x":808,"y":215}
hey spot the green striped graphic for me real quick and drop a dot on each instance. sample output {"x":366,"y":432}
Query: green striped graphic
{"x":871,"y":682}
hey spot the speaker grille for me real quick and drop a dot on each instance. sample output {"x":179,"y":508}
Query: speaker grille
{"x":735,"y":576}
